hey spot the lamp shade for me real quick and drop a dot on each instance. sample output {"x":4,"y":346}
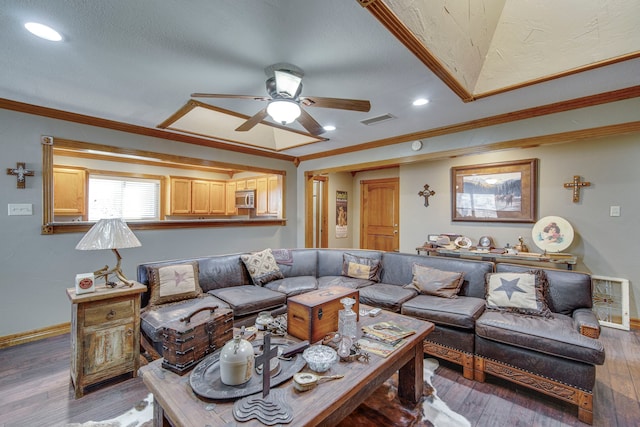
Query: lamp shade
{"x":108,"y":233}
{"x":283,"y":111}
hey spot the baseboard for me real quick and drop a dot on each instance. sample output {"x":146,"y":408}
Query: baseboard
{"x":34,"y":335}
{"x":634,"y":323}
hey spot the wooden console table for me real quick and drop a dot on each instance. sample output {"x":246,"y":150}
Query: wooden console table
{"x":523,"y":258}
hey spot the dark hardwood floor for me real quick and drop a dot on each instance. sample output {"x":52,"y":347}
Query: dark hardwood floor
{"x":35,"y":390}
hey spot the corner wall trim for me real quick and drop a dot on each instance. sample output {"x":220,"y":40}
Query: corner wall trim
{"x":34,"y":335}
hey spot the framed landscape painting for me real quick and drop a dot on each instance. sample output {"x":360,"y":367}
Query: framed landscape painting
{"x":496,"y":192}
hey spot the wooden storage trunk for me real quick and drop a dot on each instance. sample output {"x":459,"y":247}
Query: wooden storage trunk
{"x":186,"y":341}
{"x":313,"y":315}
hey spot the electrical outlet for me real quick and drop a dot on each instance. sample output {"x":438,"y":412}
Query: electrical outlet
{"x":20,"y":209}
{"x":614,"y":211}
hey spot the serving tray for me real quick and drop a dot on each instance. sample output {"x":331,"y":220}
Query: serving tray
{"x":205,"y":378}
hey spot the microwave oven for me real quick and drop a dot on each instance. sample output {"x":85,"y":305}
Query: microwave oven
{"x":246,"y":199}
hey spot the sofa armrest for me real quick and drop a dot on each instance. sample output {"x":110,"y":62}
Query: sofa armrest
{"x":586,"y":322}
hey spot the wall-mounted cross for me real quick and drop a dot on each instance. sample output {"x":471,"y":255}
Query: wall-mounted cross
{"x":20,"y":172}
{"x":576,"y":185}
{"x":426,"y":193}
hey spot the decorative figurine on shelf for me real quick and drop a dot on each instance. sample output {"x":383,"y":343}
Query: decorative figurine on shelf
{"x":521,"y":247}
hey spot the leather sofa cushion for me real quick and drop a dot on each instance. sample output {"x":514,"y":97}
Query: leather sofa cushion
{"x":461,"y":312}
{"x":568,"y":290}
{"x":249,"y":299}
{"x":153,"y":320}
{"x":383,"y":295}
{"x":344,"y":281}
{"x":397,"y":270}
{"x":222,"y":271}
{"x":459,"y":339}
{"x":291,"y":286}
{"x":557,"y":336}
{"x":304,"y":263}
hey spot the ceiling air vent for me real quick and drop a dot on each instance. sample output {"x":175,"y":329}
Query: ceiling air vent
{"x":377,"y":119}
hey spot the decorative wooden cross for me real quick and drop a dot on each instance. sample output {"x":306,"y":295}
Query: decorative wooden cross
{"x":20,"y":172}
{"x":426,"y":193}
{"x":265,"y":359}
{"x":576,"y":184}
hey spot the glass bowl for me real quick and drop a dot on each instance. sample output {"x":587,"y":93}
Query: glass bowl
{"x":320,"y":357}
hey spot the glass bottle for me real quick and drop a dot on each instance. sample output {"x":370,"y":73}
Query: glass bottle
{"x":347,"y":319}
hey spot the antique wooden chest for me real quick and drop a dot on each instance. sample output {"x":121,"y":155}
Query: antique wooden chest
{"x":312,"y":315}
{"x":186,"y":341}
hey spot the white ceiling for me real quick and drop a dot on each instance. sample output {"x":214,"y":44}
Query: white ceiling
{"x":137,"y":61}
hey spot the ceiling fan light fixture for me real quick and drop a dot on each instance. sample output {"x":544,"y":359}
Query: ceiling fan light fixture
{"x":283,"y":111}
{"x":287,"y":83}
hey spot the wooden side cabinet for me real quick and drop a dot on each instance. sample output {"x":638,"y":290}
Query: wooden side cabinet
{"x":105,"y":334}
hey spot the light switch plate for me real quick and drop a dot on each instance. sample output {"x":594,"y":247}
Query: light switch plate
{"x":614,"y":211}
{"x":20,"y":209}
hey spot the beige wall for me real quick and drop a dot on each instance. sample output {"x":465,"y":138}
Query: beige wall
{"x":604,"y":245}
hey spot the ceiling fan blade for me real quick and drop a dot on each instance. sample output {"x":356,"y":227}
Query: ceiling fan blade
{"x":309,"y":123}
{"x":252,"y":121}
{"x":219,"y":95}
{"x":339,"y":103}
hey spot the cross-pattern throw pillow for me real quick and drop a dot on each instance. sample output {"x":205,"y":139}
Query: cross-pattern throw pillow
{"x":360,"y":267}
{"x":431,"y":281}
{"x":523,"y":293}
{"x":262,"y":267}
{"x":175,"y":282}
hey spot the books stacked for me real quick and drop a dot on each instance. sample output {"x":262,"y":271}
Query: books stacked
{"x":383,"y":338}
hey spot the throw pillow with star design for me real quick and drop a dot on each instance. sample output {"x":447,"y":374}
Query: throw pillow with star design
{"x":522,"y":293}
{"x":175,"y":282}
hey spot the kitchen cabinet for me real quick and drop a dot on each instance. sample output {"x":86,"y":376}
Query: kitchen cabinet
{"x":230,"y":188}
{"x":70,"y":189}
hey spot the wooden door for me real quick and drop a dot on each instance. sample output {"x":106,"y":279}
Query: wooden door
{"x":379,"y":214}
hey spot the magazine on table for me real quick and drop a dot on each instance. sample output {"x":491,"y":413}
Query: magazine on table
{"x":378,"y":347}
{"x":388,"y":332}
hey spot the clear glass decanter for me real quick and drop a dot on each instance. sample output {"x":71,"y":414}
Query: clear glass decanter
{"x":347,"y":319}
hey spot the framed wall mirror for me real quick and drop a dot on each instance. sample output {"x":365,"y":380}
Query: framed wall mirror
{"x":84,"y":182}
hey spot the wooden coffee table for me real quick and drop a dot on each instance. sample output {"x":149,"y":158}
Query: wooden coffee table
{"x":176,"y":404}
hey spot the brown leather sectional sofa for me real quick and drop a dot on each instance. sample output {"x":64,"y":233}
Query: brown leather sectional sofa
{"x":556,"y":356}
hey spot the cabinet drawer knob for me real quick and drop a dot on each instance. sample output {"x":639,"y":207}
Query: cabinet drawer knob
{"x":111,"y":314}
{"x":129,"y":332}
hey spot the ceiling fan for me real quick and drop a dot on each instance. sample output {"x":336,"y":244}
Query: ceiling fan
{"x":284,"y":85}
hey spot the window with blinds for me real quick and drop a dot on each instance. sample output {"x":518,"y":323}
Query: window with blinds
{"x":120,"y":197}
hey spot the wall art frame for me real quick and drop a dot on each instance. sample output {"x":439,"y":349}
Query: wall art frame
{"x":495,"y":192}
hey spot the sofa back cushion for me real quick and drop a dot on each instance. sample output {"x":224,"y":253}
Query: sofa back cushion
{"x":568,"y":290}
{"x":330,"y":260}
{"x":397,"y":270}
{"x":215,"y":272}
{"x":299,"y":262}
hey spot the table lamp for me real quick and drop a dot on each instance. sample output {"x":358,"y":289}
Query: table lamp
{"x":114,"y":234}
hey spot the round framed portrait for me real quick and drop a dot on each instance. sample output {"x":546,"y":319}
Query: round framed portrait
{"x":552,"y":234}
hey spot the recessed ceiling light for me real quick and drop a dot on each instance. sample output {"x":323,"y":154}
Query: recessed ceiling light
{"x":329,"y":128}
{"x":42,"y":31}
{"x":420,"y":101}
